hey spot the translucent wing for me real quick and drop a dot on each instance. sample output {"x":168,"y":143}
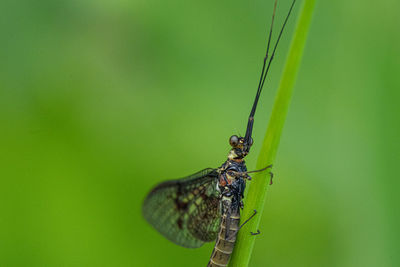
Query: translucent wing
{"x":186,"y":211}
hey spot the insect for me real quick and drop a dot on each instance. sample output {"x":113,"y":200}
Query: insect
{"x":205,"y":206}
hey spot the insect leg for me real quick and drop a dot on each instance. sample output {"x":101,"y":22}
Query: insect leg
{"x":258,"y":232}
{"x":263,"y":169}
{"x":246,"y":221}
{"x":260,"y":170}
{"x":271,"y":177}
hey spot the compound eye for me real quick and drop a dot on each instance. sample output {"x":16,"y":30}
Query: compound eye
{"x":250,"y":141}
{"x":234,"y":140}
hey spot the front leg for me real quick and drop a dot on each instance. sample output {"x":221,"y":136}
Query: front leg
{"x":271,"y":175}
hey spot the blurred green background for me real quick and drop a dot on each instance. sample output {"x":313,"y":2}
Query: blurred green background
{"x":101,"y":100}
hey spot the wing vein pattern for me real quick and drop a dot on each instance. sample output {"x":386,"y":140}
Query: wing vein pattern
{"x":187,"y":211}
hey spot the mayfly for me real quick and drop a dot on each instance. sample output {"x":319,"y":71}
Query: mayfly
{"x":205,"y":206}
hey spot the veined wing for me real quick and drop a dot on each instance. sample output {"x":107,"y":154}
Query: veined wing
{"x":186,"y":211}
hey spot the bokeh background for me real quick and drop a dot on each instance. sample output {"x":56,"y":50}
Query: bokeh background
{"x":101,"y":100}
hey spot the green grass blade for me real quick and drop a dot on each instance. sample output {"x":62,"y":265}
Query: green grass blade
{"x":256,"y":195}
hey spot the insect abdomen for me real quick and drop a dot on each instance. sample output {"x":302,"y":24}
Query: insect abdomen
{"x":225,"y":243}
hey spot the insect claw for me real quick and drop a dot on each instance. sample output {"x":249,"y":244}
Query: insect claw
{"x":272,"y":176}
{"x":258,"y":232}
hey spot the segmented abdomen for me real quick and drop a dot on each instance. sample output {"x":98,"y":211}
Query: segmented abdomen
{"x":225,"y":244}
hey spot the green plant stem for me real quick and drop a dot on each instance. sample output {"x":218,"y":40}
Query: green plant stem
{"x":256,"y":195}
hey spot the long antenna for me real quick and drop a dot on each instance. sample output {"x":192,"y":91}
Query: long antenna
{"x":264,"y":72}
{"x":266,"y":56}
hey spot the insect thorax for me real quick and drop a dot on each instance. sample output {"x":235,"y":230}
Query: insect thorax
{"x":232,"y":181}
